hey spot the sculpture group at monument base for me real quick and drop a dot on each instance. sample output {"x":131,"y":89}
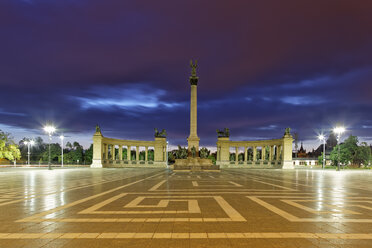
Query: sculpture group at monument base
{"x":195,"y":164}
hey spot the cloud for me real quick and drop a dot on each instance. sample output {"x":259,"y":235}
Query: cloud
{"x":302,"y":100}
{"x":134,"y":97}
{"x":2,"y":112}
{"x":270,"y":127}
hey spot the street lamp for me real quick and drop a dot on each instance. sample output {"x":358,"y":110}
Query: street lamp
{"x":166,"y":151}
{"x":50,"y":130}
{"x":29,"y":143}
{"x":62,"y":137}
{"x":322,"y":138}
{"x":338,"y":131}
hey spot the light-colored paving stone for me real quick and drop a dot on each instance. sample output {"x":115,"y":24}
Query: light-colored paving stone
{"x":156,"y":207}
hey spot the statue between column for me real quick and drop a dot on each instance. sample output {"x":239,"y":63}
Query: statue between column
{"x":223,"y":133}
{"x":162,"y":134}
{"x":193,"y":151}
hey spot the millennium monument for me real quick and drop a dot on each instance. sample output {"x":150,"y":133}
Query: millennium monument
{"x":193,"y":139}
{"x":193,"y":161}
{"x":274,"y":153}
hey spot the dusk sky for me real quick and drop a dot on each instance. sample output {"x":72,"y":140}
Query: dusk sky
{"x":262,"y":65}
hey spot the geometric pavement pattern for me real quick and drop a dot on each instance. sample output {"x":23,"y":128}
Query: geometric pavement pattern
{"x":160,"y":208}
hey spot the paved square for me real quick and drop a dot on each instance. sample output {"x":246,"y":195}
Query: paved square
{"x":160,"y":208}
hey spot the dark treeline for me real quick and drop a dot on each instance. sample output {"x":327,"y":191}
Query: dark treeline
{"x":73,"y":153}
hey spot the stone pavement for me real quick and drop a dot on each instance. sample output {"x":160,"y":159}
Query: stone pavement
{"x":160,"y":208}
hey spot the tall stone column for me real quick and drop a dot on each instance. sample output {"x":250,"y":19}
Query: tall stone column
{"x":113,"y":152}
{"x":236,"y":154}
{"x":106,"y":151}
{"x":137,"y":153}
{"x":120,"y":152}
{"x":146,"y":153}
{"x":245,"y":154}
{"x":254,"y":153}
{"x":193,"y":139}
{"x":270,"y":153}
{"x":129,"y":155}
{"x":263,"y":153}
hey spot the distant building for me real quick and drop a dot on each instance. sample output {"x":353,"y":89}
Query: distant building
{"x":302,"y":152}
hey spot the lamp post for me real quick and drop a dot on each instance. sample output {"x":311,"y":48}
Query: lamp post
{"x":29,"y":143}
{"x":166,"y":151}
{"x":62,"y":137}
{"x":322,"y":138}
{"x":338,"y":131}
{"x":50,"y":130}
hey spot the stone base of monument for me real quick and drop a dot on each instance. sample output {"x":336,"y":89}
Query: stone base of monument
{"x":195,"y":164}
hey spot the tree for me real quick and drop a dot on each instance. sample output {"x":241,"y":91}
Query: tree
{"x":55,"y":153}
{"x":75,"y":155}
{"x":8,"y":149}
{"x":150,"y":155}
{"x":88,"y":155}
{"x":171,"y":157}
{"x":351,"y":153}
{"x":232,"y":156}
{"x":320,"y":159}
{"x":125,"y":154}
{"x":363,"y":155}
{"x":241,"y":157}
{"x":69,"y":145}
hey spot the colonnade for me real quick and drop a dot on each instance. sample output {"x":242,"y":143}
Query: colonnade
{"x":273,"y":153}
{"x":105,"y":155}
{"x":109,"y":152}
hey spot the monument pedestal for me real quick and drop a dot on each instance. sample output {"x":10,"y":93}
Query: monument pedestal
{"x":195,"y":164}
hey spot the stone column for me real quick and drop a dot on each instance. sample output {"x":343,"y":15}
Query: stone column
{"x":279,"y":152}
{"x":254,"y":153}
{"x":263,"y":153}
{"x":106,"y":151}
{"x":137,"y":153}
{"x":270,"y":153}
{"x":236,"y":154}
{"x":129,"y":155}
{"x":113,"y":152}
{"x":193,"y":139}
{"x":146,"y":153}
{"x":120,"y":152}
{"x":245,"y":155}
